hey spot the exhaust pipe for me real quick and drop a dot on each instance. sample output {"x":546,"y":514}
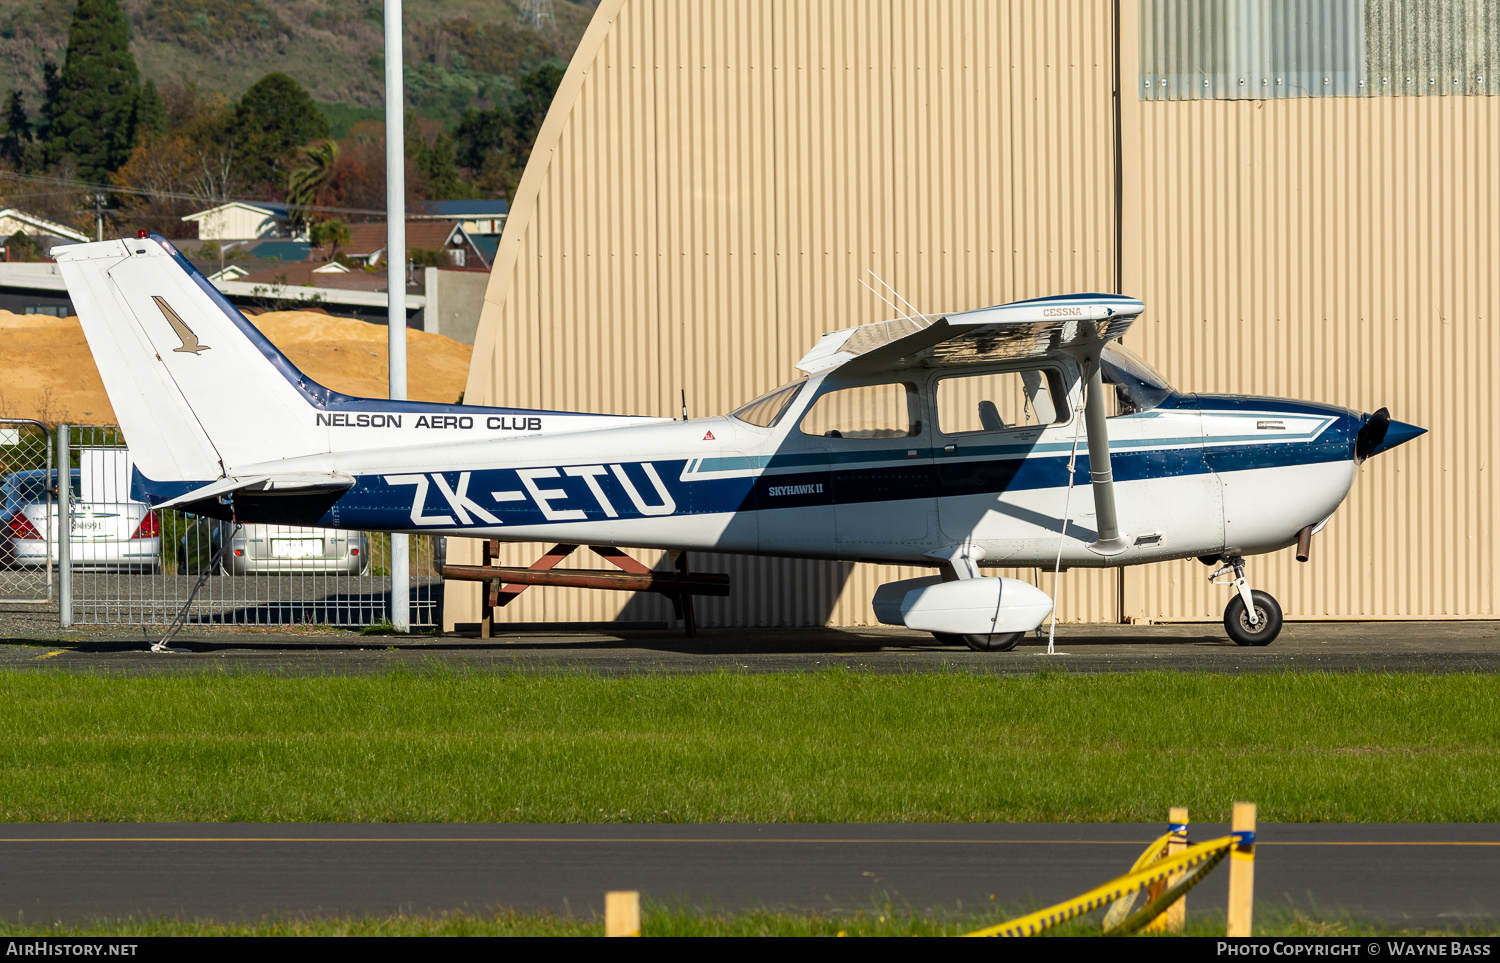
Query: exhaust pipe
{"x":1304,"y":543}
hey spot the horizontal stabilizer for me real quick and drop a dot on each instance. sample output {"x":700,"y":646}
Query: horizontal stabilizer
{"x":290,"y":484}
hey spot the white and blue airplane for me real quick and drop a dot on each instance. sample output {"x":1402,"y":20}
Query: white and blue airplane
{"x":947,"y":441}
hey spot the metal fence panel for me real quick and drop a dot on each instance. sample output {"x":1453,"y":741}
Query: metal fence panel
{"x":28,"y":517}
{"x":133,"y":566}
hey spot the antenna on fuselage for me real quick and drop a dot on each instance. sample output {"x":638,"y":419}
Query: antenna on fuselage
{"x":909,"y":305}
{"x":882,"y":297}
{"x":684,"y":403}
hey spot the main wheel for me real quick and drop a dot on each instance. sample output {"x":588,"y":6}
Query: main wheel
{"x":999,"y":642}
{"x":1237,"y":620}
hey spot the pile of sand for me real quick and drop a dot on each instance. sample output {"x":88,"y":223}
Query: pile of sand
{"x":47,"y":372}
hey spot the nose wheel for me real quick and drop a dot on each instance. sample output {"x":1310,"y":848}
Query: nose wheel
{"x":1252,"y":617}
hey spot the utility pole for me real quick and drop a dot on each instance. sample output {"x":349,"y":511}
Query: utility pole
{"x":395,"y":257}
{"x":99,"y":216}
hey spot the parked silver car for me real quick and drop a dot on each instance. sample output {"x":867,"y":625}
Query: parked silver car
{"x":112,"y":534}
{"x":272,"y":549}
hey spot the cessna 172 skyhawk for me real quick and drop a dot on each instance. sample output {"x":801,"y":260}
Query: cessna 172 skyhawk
{"x":937,"y":440}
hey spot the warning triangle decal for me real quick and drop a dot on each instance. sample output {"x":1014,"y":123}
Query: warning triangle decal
{"x":709,"y":436}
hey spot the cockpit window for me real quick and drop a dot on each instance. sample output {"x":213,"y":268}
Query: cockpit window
{"x":868,"y":411}
{"x":766,"y":411}
{"x":1138,"y":386}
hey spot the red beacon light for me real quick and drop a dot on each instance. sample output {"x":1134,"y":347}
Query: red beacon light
{"x":143,"y":234}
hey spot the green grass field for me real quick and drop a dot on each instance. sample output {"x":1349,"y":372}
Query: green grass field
{"x":837,"y":746}
{"x":666,"y":921}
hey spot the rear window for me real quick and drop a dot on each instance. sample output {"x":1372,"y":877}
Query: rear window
{"x":1001,"y":400}
{"x":33,"y":488}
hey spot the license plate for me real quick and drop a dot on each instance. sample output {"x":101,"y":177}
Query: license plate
{"x":296,"y":548}
{"x":87,"y":526}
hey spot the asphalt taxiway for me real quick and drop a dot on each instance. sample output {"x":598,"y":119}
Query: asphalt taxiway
{"x":1302,"y":647}
{"x":1444,"y":876}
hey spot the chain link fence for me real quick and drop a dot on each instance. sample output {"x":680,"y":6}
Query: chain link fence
{"x":28,"y":514}
{"x":133,"y":566}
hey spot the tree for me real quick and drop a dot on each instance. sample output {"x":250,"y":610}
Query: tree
{"x":273,"y":119}
{"x":20,"y":246}
{"x":332,"y":234}
{"x":496,"y":144}
{"x":149,"y":116}
{"x":195,"y":158}
{"x":304,"y":183}
{"x":17,"y":134}
{"x":439,"y":162}
{"x":96,"y":92}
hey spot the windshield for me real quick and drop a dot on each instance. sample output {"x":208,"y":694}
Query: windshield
{"x":766,"y":410}
{"x":1138,"y":386}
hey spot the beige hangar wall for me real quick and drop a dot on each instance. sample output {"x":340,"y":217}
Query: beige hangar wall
{"x":715,"y":176}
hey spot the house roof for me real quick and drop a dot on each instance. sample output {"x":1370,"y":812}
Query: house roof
{"x":45,"y":226}
{"x":267,"y":208}
{"x":460,"y":209}
{"x":279,"y":249}
{"x":366,"y":239}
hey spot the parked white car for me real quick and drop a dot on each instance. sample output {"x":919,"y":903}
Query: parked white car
{"x":107,"y":534}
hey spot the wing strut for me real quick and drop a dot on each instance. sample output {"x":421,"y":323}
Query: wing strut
{"x":1110,"y":541}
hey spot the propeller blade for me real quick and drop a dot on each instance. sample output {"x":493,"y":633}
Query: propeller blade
{"x":1371,"y":434}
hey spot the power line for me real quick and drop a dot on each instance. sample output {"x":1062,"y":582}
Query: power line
{"x":94,"y":188}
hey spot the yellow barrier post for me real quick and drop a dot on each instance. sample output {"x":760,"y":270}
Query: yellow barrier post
{"x":1173,"y":920}
{"x":1242,"y":870}
{"x":622,"y":913}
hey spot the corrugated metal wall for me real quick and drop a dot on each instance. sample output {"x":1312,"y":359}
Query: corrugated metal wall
{"x":1336,"y":249}
{"x":720,"y":173}
{"x":1340,"y":250}
{"x":715,"y":177}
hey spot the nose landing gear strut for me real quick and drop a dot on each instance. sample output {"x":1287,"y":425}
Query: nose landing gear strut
{"x":1251,"y":617}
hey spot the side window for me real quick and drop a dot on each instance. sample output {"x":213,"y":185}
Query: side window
{"x":1000,"y":400}
{"x":872,"y":411}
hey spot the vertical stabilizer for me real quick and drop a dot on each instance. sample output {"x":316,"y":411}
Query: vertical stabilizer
{"x":197,"y":389}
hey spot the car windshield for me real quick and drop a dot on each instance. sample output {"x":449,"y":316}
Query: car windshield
{"x":766,"y":410}
{"x":1138,"y":386}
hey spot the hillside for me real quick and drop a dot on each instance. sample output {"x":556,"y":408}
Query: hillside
{"x":52,"y":378}
{"x":456,"y":51}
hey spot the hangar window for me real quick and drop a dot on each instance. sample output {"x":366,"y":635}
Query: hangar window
{"x":999,"y":400}
{"x":870,"y":411}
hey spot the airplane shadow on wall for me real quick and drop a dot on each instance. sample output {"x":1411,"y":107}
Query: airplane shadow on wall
{"x":765,"y":592}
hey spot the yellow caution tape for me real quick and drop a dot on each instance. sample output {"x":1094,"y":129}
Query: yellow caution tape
{"x":1200,"y":859}
{"x":1121,"y":908}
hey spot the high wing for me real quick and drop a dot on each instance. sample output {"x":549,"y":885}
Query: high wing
{"x":1079,"y":325}
{"x":1021,"y":329}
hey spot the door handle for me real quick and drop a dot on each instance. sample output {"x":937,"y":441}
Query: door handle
{"x":950,"y":448}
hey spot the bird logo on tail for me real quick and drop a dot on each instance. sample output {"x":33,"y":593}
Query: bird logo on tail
{"x":184,"y":333}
